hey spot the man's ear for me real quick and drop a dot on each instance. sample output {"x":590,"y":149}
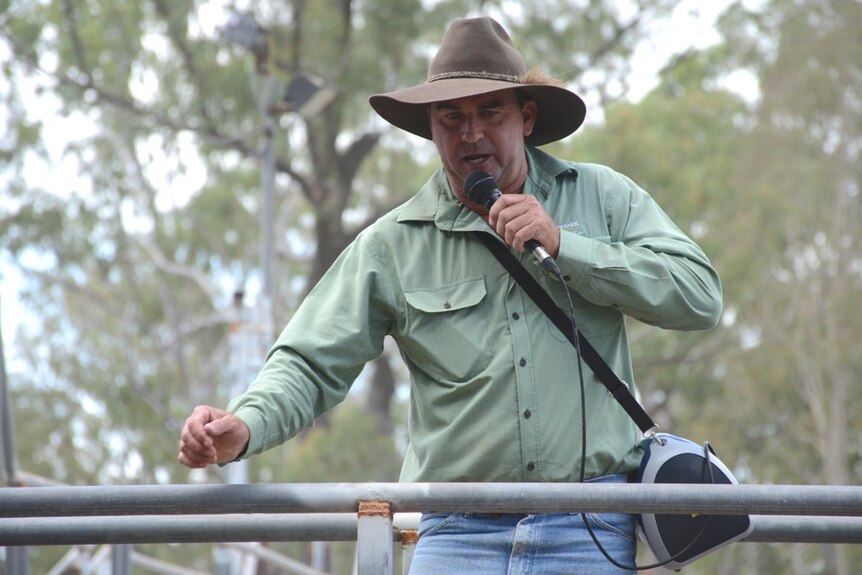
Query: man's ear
{"x":529,"y":113}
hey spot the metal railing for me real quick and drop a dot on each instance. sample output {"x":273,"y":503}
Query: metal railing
{"x":377,"y":514}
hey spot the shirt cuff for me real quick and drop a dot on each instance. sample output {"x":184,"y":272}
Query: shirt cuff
{"x":575,"y":258}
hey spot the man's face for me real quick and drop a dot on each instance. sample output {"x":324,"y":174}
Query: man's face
{"x":484,"y":132}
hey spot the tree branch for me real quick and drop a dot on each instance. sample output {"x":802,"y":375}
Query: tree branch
{"x":351,"y":159}
{"x":71,"y":19}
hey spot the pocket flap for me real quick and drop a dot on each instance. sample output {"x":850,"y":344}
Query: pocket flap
{"x":448,"y":298}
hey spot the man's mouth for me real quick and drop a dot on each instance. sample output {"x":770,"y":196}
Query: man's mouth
{"x":475,"y":160}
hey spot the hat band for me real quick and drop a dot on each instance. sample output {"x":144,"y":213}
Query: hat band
{"x":473,"y":74}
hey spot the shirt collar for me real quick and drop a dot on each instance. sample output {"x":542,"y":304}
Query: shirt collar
{"x":543,"y":172}
{"x":436,"y":202}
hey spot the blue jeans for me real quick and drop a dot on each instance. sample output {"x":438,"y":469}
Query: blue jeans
{"x":523,"y":544}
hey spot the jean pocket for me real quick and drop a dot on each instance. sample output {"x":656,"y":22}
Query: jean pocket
{"x":620,"y":524}
{"x":431,"y":523}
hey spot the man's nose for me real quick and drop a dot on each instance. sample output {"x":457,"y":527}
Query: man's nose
{"x":472,"y":130}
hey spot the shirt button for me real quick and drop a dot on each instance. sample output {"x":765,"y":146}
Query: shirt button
{"x":523,"y":362}
{"x":527,"y":414}
{"x":515,"y":316}
{"x":447,"y":305}
{"x":531,"y":466}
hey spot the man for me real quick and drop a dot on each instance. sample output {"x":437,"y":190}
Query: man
{"x":494,"y":385}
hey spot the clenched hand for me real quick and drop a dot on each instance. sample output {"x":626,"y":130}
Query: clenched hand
{"x":211,"y":435}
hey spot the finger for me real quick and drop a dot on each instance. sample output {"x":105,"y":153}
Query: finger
{"x":525,"y":219}
{"x":194,"y":424}
{"x":193,"y":454}
{"x":503,"y":204}
{"x":509,"y":208}
{"x":191,"y":462}
{"x":517,"y":225}
{"x":519,"y":231}
{"x":196,"y":448}
{"x":201,"y":417}
{"x":200,"y":442}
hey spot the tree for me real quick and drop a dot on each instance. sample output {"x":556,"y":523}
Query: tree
{"x":676,"y":143}
{"x":131,"y":265}
{"x":803,"y":167}
{"x":772,"y":186}
{"x":118,"y":259}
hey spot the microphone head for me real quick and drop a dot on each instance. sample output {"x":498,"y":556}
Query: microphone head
{"x":481,"y":188}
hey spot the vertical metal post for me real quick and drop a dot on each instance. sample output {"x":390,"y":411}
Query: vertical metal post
{"x":320,"y":555}
{"x":17,"y":561}
{"x":17,"y":558}
{"x":229,"y":561}
{"x":267,"y":183}
{"x":409,"y":538}
{"x":7,"y":428}
{"x":121,"y":559}
{"x":245,"y":357}
{"x":374,"y":538}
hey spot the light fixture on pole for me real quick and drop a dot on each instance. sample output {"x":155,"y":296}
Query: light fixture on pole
{"x":307,"y":95}
{"x":243,"y":30}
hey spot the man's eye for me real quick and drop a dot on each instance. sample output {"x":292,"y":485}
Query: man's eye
{"x":452,"y":119}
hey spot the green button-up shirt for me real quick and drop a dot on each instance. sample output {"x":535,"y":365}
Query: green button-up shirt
{"x":494,"y":385}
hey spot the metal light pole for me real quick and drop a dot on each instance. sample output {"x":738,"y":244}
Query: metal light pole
{"x":266,"y":106}
{"x":247,"y":333}
{"x":306,"y":95}
{"x":17,"y":558}
{"x":250,"y":337}
{"x":243,"y":30}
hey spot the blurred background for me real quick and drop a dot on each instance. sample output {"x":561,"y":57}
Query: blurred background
{"x":175,"y":175}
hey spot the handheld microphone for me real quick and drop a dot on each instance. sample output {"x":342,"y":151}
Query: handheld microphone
{"x":482,"y":188}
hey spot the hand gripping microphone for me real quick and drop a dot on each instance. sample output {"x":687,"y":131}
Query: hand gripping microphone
{"x":482,"y":188}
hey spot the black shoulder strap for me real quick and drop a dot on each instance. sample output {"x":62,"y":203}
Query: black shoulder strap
{"x":617,"y":388}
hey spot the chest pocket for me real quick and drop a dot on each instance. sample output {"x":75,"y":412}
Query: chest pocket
{"x":447,"y":331}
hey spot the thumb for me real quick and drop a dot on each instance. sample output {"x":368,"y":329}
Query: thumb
{"x":229,"y":436}
{"x":221,"y":426}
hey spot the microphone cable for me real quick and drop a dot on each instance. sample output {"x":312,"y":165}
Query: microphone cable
{"x":582,"y":471}
{"x":483,"y":189}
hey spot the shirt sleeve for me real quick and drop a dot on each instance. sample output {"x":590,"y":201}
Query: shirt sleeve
{"x":337,"y":329}
{"x":645,"y":266}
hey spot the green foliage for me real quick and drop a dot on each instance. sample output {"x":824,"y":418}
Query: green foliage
{"x":348,"y":448}
{"x":677,"y":144}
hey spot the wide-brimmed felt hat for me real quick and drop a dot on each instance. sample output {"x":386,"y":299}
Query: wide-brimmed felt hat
{"x":477,"y":57}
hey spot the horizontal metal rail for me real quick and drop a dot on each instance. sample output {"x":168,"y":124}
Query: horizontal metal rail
{"x":325,"y":527}
{"x":365,"y":512}
{"x":796,"y":500}
{"x":177,"y":529}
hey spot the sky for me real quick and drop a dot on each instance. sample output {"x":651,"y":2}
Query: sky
{"x":691,"y":26}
